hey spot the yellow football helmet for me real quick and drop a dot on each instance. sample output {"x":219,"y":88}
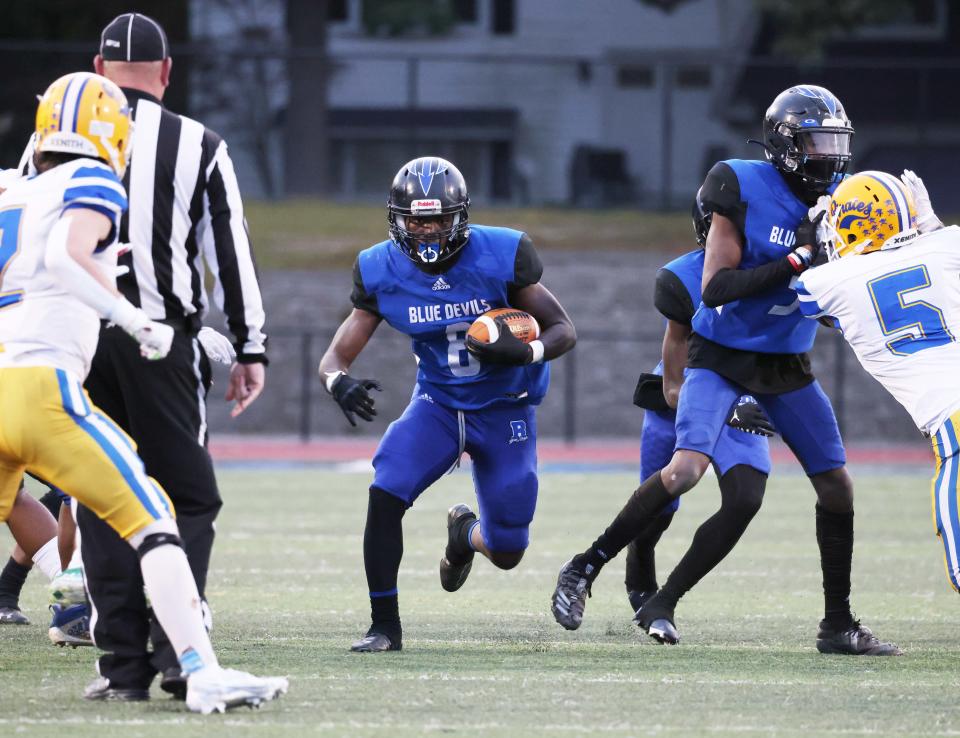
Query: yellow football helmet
{"x":84,"y":113}
{"x":869,"y":211}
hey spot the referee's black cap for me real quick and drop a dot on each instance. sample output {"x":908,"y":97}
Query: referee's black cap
{"x":133,"y":37}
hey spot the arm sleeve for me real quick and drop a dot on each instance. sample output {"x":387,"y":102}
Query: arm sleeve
{"x":527,"y":267}
{"x":226,"y":250}
{"x":97,"y":188}
{"x":672,"y":299}
{"x":721,"y":194}
{"x":360,"y":298}
{"x":728,"y":285}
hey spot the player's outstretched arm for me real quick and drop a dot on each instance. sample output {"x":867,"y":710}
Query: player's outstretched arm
{"x":723,"y":282}
{"x":352,"y":395}
{"x":557,"y":333}
{"x":69,"y":257}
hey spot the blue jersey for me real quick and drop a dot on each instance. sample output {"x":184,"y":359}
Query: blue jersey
{"x":770,"y":322}
{"x":679,"y":305}
{"x":436,"y":310}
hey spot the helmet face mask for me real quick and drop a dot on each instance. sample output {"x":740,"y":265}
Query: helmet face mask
{"x":701,"y":220}
{"x":869,"y":211}
{"x":427,"y":212}
{"x":806,"y":133}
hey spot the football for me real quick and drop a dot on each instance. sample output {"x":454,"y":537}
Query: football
{"x":523,"y":325}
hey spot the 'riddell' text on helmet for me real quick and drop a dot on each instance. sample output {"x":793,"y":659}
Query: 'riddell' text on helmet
{"x":806,"y":133}
{"x":423,"y":188}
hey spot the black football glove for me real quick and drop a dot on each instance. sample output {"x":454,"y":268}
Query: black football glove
{"x":353,"y":396}
{"x":649,"y":393}
{"x":507,"y":350}
{"x":808,"y":247}
{"x":750,"y":418}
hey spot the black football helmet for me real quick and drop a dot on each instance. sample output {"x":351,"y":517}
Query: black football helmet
{"x":806,"y":133}
{"x":701,"y":219}
{"x":424,"y":187}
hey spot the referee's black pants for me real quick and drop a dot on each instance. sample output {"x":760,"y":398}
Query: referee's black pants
{"x":161,"y":404}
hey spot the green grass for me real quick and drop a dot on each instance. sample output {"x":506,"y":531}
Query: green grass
{"x":288,"y":593}
{"x":309,"y":234}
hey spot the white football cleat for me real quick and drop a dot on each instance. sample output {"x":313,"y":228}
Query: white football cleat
{"x":215,"y":689}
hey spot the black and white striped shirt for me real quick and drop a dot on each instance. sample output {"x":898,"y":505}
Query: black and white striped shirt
{"x":185,"y":209}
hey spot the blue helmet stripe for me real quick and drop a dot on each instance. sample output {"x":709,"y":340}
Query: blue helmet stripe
{"x":63,"y":103}
{"x":76,"y":107}
{"x":893,"y":195}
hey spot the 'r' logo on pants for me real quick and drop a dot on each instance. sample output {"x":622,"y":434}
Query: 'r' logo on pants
{"x":518,"y":431}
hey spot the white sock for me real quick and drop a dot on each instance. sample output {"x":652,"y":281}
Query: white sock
{"x":176,"y":603}
{"x":47,"y":559}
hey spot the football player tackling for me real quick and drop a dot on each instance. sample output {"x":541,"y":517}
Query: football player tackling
{"x":748,"y":336}
{"x":430,"y":280}
{"x":57,"y":230}
{"x":892,"y":287}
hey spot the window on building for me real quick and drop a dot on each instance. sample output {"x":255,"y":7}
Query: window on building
{"x":465,"y":11}
{"x":337,"y":10}
{"x":503,"y":19}
{"x":635,"y":76}
{"x":693,"y":78}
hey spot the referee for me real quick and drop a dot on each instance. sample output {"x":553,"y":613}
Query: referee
{"x":185,"y":209}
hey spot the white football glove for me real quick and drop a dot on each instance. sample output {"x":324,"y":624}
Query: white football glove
{"x":823,"y":227}
{"x":217,"y":346}
{"x":154,"y":338}
{"x":927,"y":220}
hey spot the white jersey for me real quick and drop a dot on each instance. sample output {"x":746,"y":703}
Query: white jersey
{"x":900,"y":311}
{"x":41,"y":323}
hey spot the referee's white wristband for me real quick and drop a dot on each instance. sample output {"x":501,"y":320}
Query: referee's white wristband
{"x":537,"y":347}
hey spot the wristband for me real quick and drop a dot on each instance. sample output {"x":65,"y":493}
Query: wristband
{"x":800,"y":258}
{"x":537,"y":347}
{"x":330,"y":379}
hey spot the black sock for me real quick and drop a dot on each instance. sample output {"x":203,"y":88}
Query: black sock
{"x":52,"y":501}
{"x":382,"y":552}
{"x":835,"y":538}
{"x":641,"y":573}
{"x":646,"y":502}
{"x":741,"y":493}
{"x":11,"y":582}
{"x":459,"y":549}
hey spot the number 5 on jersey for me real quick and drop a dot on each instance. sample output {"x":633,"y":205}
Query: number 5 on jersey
{"x":9,"y":246}
{"x":897,"y":316}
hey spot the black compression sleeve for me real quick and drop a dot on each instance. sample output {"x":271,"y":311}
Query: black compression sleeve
{"x":359,"y":296}
{"x":672,"y":299}
{"x":728,"y":285}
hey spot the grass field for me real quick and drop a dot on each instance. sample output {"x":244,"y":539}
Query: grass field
{"x":288,"y":594}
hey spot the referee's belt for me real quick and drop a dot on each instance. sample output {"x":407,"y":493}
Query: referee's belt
{"x":189,"y":324}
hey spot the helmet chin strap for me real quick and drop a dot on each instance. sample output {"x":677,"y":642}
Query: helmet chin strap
{"x":429,"y":253}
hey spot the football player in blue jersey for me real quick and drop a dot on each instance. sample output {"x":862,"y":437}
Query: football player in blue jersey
{"x":749,"y":337}
{"x":430,"y":280}
{"x":742,"y":461}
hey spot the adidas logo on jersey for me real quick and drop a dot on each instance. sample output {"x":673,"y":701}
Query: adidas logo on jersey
{"x":440,"y":284}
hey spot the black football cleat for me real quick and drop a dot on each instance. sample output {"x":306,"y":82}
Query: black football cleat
{"x":854,"y":640}
{"x":101,"y":690}
{"x":13,"y":616}
{"x":656,"y":619}
{"x":638,"y":598}
{"x":374,"y":642}
{"x":455,"y":567}
{"x":174,"y":683}
{"x":570,"y":597}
